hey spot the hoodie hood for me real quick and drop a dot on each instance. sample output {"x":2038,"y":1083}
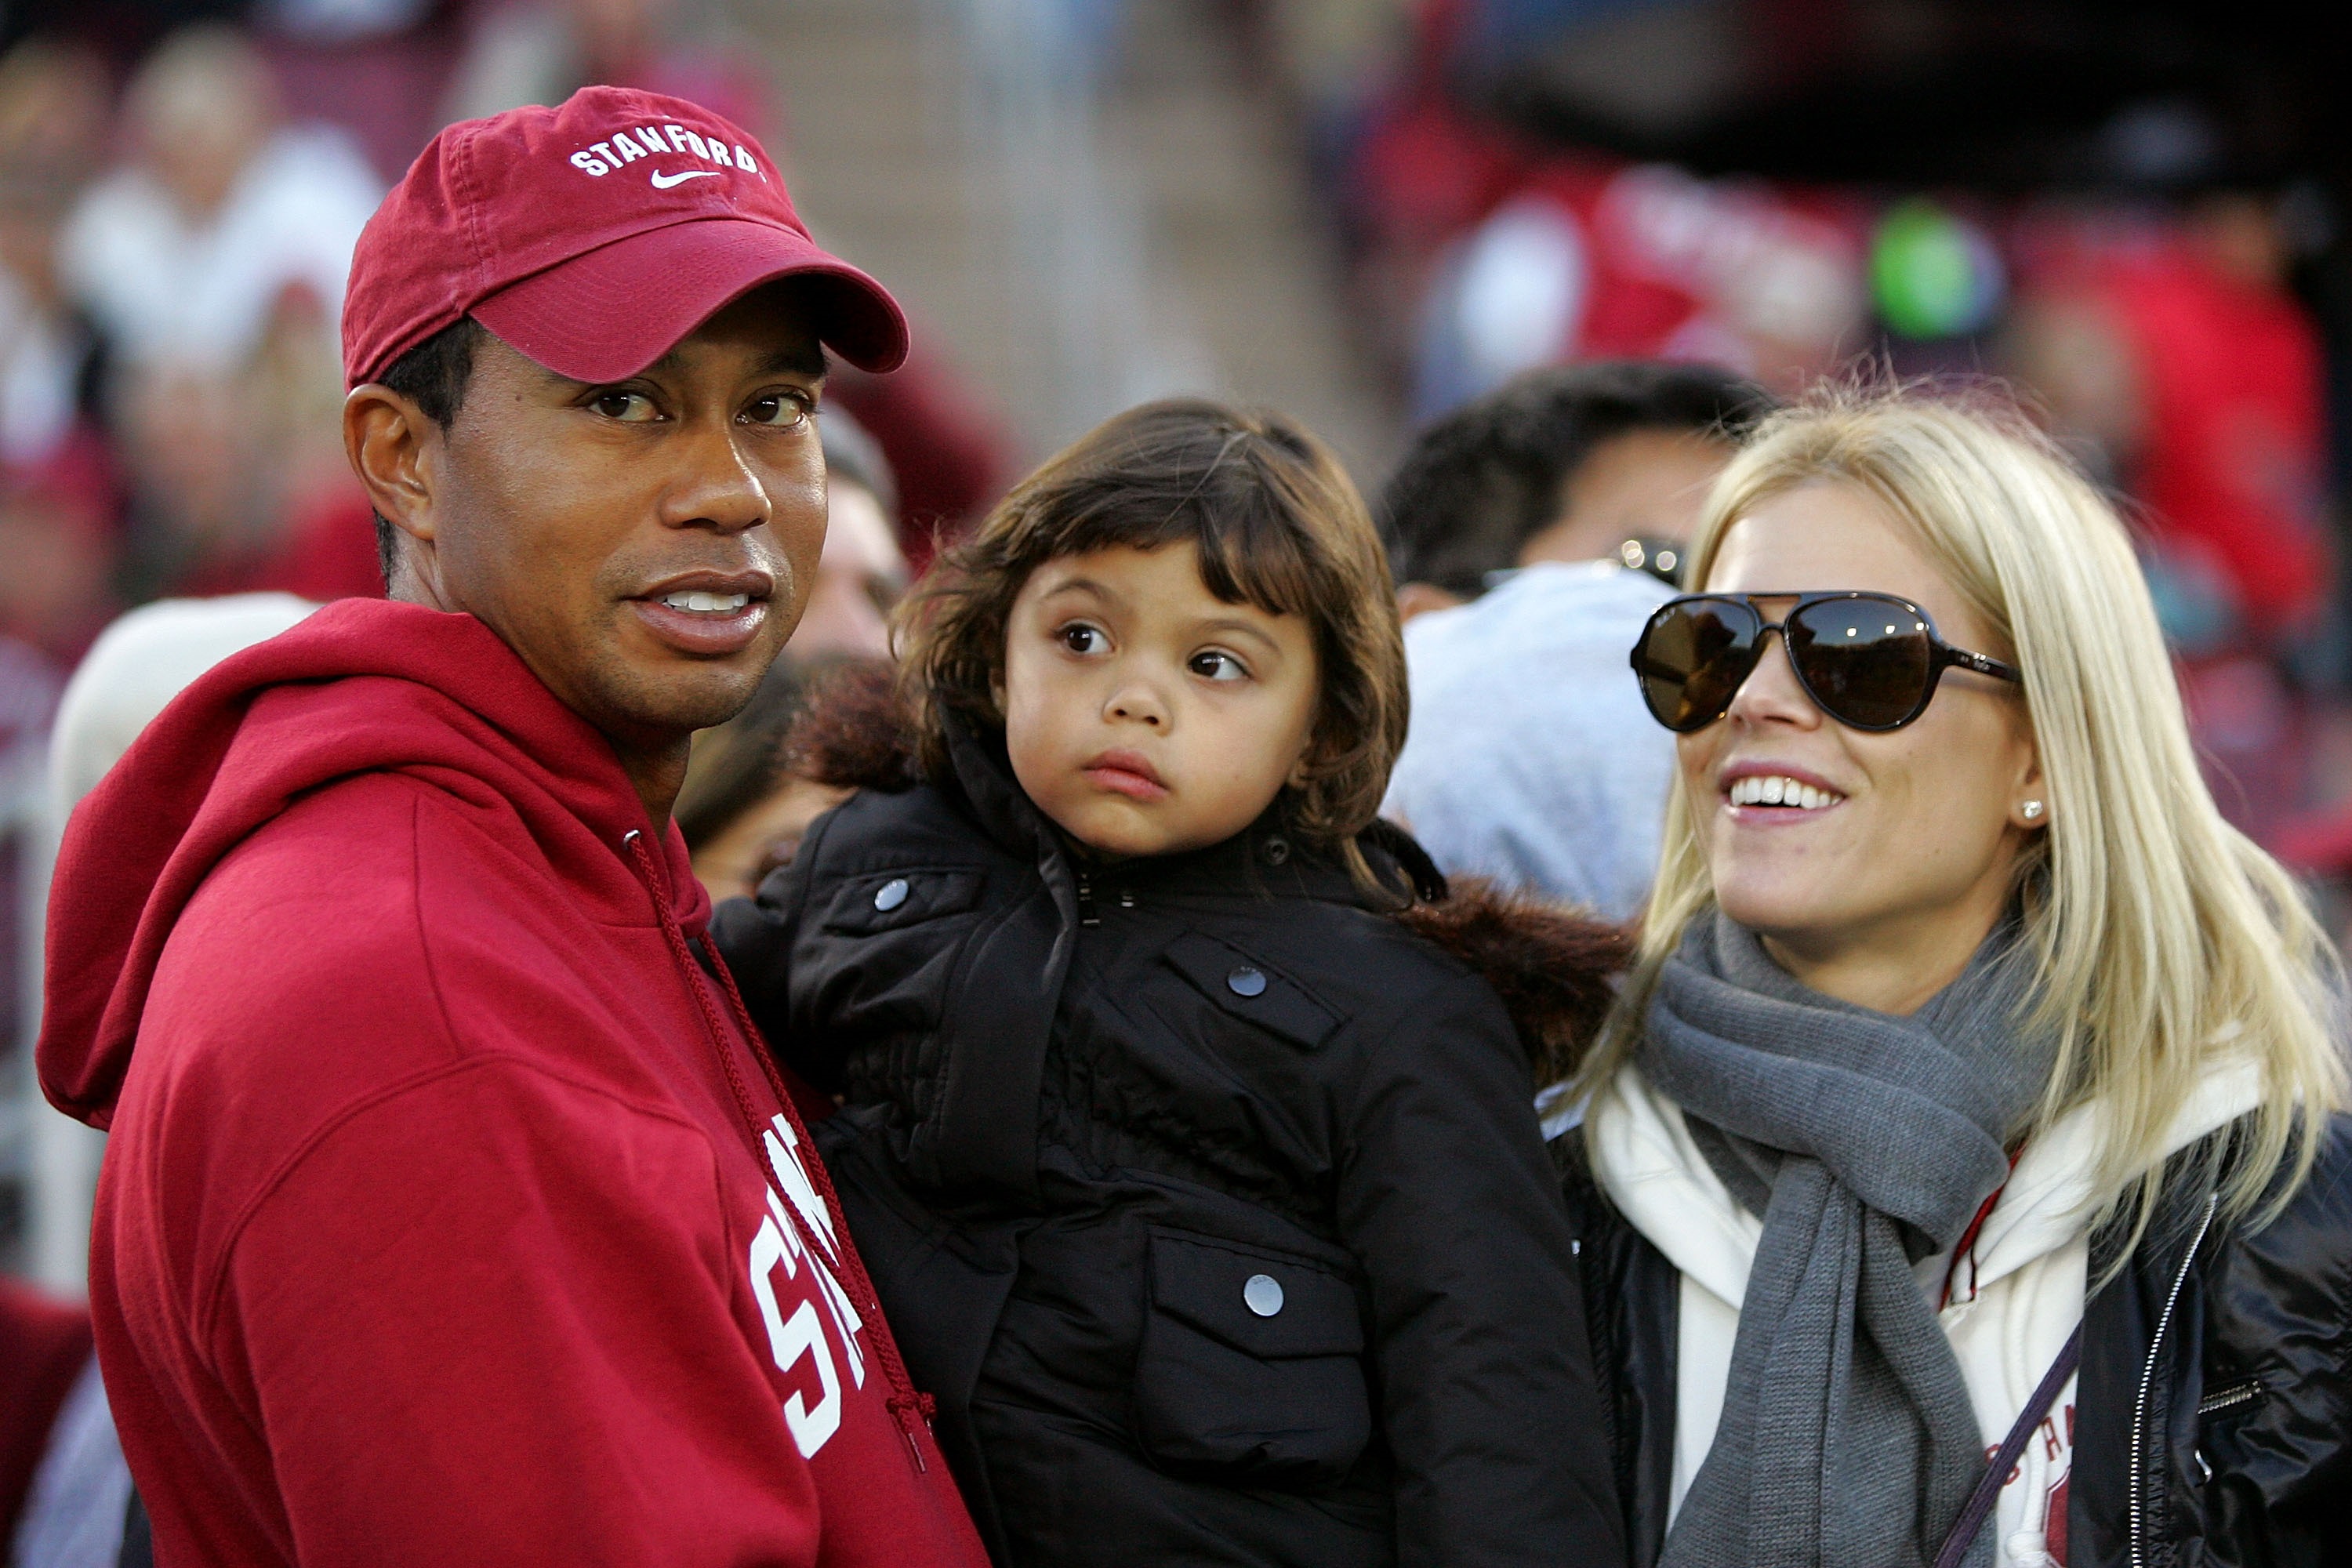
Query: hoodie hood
{"x":364,"y":686}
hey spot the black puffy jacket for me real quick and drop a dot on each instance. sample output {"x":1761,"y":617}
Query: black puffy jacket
{"x":2213,"y":1418}
{"x":1204,"y":1196}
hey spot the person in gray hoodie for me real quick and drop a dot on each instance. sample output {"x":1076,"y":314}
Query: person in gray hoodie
{"x":1531,"y":533}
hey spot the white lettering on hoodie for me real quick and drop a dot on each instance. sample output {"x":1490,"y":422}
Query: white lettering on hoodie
{"x":800,"y":1337}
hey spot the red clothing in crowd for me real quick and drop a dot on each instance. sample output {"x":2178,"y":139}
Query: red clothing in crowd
{"x":44,"y":1346}
{"x":432,"y":1227}
{"x":2236,"y":448}
{"x":328,"y":553}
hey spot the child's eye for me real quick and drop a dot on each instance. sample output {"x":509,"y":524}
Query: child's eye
{"x":1215,"y":664}
{"x":1080,"y":637}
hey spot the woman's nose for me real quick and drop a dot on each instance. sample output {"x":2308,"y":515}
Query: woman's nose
{"x":1772,"y":692}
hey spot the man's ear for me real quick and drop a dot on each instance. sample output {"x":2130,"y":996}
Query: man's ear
{"x":1420,"y":598}
{"x":394,"y":449}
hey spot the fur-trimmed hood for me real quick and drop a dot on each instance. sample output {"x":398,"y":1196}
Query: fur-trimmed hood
{"x":1554,"y":967}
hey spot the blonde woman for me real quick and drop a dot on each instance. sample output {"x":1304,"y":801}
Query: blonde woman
{"x":1976,"y":1090}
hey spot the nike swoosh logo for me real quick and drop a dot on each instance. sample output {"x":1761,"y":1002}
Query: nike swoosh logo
{"x":663,"y":181}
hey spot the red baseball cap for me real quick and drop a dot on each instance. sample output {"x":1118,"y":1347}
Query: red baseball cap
{"x":591,"y":237}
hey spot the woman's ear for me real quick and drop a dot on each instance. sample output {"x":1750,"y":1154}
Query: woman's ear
{"x":2028,"y":792}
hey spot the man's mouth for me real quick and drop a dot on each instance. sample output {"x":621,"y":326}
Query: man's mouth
{"x":700,"y":603}
{"x":707,"y":615}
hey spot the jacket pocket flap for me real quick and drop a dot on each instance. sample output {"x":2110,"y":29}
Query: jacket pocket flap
{"x":1266,"y":1303}
{"x":1250,"y":989}
{"x":885,"y":900}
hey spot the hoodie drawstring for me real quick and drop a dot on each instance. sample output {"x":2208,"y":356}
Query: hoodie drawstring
{"x":907,"y":1405}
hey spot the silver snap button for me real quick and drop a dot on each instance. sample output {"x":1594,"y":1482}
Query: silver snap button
{"x":1246,"y":981}
{"x":1261,"y":1294}
{"x":890,"y":894}
{"x":1277,"y":850}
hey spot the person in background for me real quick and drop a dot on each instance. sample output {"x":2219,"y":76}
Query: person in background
{"x":211,"y":263}
{"x":2178,"y":363}
{"x":130,"y":676}
{"x":183,"y":253}
{"x":1977,"y":1088}
{"x":743,"y":806}
{"x":53,"y":124}
{"x":1528,"y":760}
{"x":57,"y":536}
{"x":58,"y":498}
{"x":65,"y":1492}
{"x":543,"y":51}
{"x":862,"y":574}
{"x":137,"y":665}
{"x":747,"y":801}
{"x":1564,"y":464}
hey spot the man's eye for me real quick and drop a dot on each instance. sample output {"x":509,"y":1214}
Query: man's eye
{"x":1215,"y":664}
{"x":1083,"y":638}
{"x":631,"y":407}
{"x":779,"y":410}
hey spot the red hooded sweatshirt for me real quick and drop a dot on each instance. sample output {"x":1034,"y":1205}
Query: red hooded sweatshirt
{"x":450,"y":1214}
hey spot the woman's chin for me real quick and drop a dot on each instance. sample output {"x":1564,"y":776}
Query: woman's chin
{"x":1775,"y":908}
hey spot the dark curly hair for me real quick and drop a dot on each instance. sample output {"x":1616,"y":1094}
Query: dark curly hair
{"x":1481,"y":482}
{"x":1278,"y":525}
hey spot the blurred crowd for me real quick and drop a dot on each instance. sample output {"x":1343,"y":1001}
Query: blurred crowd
{"x":1579,"y":304}
{"x":178,"y":205}
{"x":180,"y":191}
{"x":1787,"y":189}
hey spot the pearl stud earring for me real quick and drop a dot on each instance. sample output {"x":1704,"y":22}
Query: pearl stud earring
{"x":2031,"y":810}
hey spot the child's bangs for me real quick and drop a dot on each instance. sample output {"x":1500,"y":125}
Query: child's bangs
{"x":1255,"y":556}
{"x":1250,"y":552}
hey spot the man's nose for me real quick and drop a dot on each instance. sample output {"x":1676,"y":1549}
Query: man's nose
{"x":714,"y":486}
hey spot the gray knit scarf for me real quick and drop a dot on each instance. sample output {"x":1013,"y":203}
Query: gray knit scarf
{"x":1865,"y":1143}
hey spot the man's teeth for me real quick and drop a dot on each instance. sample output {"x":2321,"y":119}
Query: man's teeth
{"x":1771,"y":789}
{"x":707,"y":602}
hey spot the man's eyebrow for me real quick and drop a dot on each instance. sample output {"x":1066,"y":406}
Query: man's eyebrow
{"x":796,"y":361}
{"x":807,"y":360}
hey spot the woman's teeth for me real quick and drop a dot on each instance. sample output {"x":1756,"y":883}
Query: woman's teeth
{"x":1771,"y":789}
{"x":706,"y":604}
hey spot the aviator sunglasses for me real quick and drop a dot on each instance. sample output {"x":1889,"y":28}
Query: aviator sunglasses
{"x":1871,"y":661}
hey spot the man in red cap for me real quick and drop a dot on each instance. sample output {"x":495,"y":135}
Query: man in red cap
{"x":453,"y":1211}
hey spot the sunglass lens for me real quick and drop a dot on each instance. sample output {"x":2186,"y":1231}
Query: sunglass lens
{"x":1866,"y":660}
{"x":1692,"y":658}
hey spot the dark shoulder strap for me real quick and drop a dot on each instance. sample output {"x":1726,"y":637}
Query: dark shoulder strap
{"x":1980,"y":1505}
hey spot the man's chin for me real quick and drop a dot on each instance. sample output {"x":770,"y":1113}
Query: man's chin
{"x":681,"y":695}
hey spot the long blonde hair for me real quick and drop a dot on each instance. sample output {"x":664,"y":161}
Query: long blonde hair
{"x":2165,"y":941}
